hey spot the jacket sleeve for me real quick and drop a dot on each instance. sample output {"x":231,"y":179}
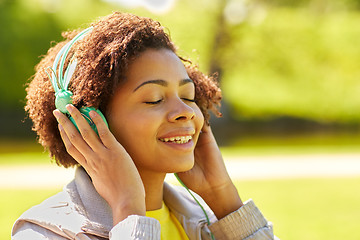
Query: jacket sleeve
{"x":136,"y":227}
{"x":27,"y":230}
{"x":246,"y":223}
{"x":131,"y":228}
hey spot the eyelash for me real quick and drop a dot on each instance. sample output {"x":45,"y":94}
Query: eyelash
{"x":159,"y":101}
{"x":190,"y":100}
{"x":153,"y":103}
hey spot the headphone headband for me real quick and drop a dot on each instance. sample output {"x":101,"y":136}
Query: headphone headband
{"x":59,"y":81}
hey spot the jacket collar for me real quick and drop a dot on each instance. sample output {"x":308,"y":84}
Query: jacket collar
{"x":99,"y":215}
{"x":187,"y":211}
{"x":79,"y":208}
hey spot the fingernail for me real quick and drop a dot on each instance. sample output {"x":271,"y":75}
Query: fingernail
{"x":56,"y":114}
{"x":92,"y":114}
{"x":69,"y":107}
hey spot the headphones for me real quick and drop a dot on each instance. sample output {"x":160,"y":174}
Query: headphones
{"x":63,"y":96}
{"x":61,"y":81}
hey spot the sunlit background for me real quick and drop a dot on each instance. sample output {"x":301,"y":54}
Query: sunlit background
{"x":290,"y":75}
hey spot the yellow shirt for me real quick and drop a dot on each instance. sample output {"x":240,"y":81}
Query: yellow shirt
{"x":170,"y":226}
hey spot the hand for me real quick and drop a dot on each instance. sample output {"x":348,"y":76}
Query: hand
{"x":209,"y":177}
{"x":110,"y":167}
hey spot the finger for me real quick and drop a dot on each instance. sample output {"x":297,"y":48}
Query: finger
{"x":72,"y":134}
{"x":206,"y":128}
{"x":105,"y":135}
{"x":87,"y":133}
{"x":70,"y":148}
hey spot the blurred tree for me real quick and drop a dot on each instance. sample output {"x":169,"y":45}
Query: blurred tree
{"x":24,"y":35}
{"x":27,"y":29}
{"x":297,"y":63}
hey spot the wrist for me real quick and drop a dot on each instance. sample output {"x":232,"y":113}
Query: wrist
{"x":124,"y":209}
{"x":222,"y":200}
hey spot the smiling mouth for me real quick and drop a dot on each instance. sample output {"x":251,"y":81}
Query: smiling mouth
{"x":177,"y":140}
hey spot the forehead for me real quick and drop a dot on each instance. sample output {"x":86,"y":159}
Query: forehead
{"x":154,"y":64}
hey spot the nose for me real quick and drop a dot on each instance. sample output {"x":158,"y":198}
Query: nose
{"x":180,"y":111}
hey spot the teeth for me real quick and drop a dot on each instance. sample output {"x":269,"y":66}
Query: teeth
{"x":178,"y":139}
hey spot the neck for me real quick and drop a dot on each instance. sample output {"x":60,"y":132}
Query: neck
{"x":153,"y":184}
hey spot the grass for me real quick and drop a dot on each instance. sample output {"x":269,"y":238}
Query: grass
{"x":317,"y":143}
{"x":14,"y":202}
{"x":287,"y":150}
{"x":313,"y":209}
{"x":20,"y":152}
{"x":308,"y":208}
{"x":24,"y":158}
{"x":30,"y":158}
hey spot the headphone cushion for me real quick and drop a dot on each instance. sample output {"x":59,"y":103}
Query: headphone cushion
{"x":63,"y":98}
{"x":85,"y":113}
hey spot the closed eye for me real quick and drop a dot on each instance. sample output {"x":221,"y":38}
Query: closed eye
{"x":190,"y":100}
{"x":155,"y":102}
{"x":159,"y":101}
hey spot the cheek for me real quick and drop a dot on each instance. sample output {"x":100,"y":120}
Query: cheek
{"x":199,"y":120}
{"x":133,"y":129}
{"x":138,"y":136}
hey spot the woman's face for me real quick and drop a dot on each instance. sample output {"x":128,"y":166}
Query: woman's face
{"x":153,"y":113}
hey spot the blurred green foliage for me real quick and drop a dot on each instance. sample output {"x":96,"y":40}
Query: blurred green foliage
{"x":20,"y":45}
{"x":296,"y":63}
{"x":27,"y":29}
{"x":284,"y":58}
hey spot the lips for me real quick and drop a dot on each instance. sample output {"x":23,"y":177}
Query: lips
{"x":177,"y":139}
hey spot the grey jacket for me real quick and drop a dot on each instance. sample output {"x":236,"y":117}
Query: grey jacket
{"x":79,"y":212}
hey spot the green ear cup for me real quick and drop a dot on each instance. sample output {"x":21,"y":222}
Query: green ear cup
{"x":63,"y":98}
{"x":85,"y":113}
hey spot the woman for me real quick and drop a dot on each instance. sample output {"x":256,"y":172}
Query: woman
{"x":156,"y":106}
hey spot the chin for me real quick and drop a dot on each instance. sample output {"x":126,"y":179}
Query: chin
{"x":168,"y":165}
{"x":183,"y":167}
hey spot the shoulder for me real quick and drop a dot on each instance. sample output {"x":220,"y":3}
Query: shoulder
{"x":186,"y":202}
{"x":58,"y":210}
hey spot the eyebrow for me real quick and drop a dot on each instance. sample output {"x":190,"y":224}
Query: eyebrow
{"x":163,"y":83}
